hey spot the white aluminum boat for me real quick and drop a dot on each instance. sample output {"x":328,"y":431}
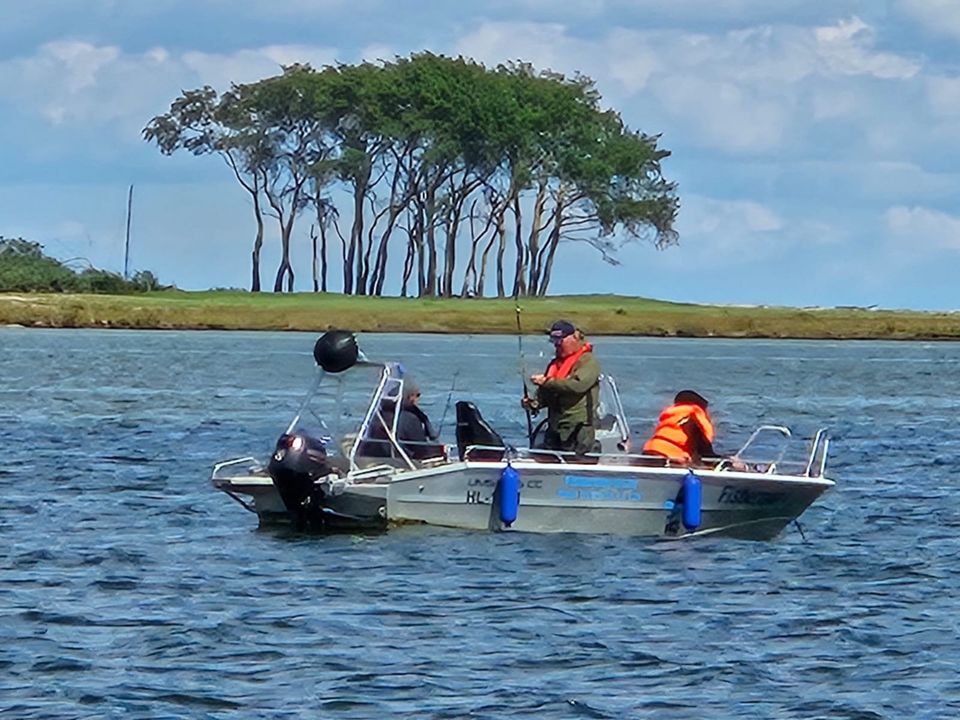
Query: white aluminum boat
{"x":337,"y":469}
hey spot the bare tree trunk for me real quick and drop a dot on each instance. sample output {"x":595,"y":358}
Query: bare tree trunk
{"x":501,"y":251}
{"x":314,"y":265}
{"x":286,"y":269}
{"x":470,"y":274}
{"x":431,"y":237}
{"x":358,"y":224}
{"x":257,"y":244}
{"x":343,"y":255}
{"x":408,"y":264}
{"x":323,"y":258}
{"x":533,"y":241}
{"x":553,"y":241}
{"x":351,"y":267}
{"x":450,"y":253}
{"x":544,"y":259}
{"x":379,"y":274}
{"x":254,"y":190}
{"x":421,"y":255}
{"x":366,"y":266}
{"x":519,"y":281}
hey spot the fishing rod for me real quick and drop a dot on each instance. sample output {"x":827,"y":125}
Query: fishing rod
{"x":453,"y":387}
{"x":523,"y":375}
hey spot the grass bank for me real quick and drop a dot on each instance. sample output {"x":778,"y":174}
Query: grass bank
{"x":596,"y":314}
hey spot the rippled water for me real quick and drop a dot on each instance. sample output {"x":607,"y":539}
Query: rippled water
{"x":130,"y":588}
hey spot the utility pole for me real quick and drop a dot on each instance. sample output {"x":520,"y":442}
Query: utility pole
{"x":126,"y":252}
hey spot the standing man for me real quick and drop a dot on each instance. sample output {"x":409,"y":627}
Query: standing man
{"x":569,"y":390}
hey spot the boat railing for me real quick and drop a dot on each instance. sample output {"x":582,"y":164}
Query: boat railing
{"x":253,"y":465}
{"x":812,"y":466}
{"x":497,"y":453}
{"x":817,"y":461}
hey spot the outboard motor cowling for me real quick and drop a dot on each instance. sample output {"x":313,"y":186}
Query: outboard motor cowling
{"x":297,"y":461}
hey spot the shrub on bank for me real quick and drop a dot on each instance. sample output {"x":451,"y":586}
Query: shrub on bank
{"x":24,"y":267}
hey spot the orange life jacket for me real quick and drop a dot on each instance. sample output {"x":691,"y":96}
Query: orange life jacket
{"x":560,"y":369}
{"x":670,"y":439}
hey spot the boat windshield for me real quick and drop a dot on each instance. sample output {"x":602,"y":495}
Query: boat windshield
{"x":335,"y":405}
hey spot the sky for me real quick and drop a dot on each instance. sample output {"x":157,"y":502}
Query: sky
{"x":815,"y":143}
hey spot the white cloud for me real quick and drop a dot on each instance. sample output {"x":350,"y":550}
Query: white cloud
{"x":219,"y":70}
{"x":748,"y":90}
{"x":724,"y":114}
{"x":846,"y":49}
{"x":728,"y":230}
{"x":938,"y":16}
{"x":74,"y":82}
{"x":919,"y":226}
{"x":545,"y":45}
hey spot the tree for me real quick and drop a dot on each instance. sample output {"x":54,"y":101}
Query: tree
{"x":428,"y":148}
{"x":24,"y":267}
{"x":197,"y":123}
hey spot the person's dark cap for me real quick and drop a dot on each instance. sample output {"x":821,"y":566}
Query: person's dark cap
{"x":561,"y":328}
{"x":690,"y":397}
{"x":410,"y":386}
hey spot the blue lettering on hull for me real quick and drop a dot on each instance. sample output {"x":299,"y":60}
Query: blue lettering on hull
{"x":580,"y":487}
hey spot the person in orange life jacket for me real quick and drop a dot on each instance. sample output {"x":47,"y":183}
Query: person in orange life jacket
{"x":569,"y":389}
{"x":684,"y":431}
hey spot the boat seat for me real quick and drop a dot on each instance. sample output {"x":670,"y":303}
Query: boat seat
{"x":472,"y":429}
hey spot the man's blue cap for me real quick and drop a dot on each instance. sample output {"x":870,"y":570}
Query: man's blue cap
{"x":561,"y":328}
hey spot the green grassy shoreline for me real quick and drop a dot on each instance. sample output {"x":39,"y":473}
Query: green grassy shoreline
{"x":596,"y":314}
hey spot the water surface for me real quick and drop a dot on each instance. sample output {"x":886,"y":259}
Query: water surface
{"x":130,"y":588}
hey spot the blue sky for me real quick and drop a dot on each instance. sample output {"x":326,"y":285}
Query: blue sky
{"x":816,"y":144}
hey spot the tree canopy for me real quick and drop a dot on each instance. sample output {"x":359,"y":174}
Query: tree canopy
{"x":456,"y":169}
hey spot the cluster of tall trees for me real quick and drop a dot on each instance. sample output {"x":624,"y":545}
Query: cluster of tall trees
{"x":456,"y":178}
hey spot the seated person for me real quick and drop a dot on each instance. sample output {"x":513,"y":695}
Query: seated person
{"x":684,"y":430}
{"x":413,"y":426}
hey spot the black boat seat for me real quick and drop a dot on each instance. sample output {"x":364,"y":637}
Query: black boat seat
{"x":472,"y":429}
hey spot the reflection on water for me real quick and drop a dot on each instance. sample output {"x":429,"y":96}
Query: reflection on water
{"x":131,"y":589}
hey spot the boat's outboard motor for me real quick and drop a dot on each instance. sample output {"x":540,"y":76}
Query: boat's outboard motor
{"x":299,"y":459}
{"x":472,"y":429}
{"x":297,"y":462}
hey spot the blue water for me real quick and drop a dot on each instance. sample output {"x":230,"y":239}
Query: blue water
{"x":129,"y":588}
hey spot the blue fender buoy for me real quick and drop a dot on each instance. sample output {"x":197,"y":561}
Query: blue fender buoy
{"x":692,"y":501}
{"x":509,"y":491}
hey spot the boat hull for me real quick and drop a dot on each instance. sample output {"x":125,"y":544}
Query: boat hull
{"x":604,"y":499}
{"x":601,"y":498}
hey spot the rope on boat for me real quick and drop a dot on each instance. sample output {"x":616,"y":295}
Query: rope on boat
{"x":246,"y":505}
